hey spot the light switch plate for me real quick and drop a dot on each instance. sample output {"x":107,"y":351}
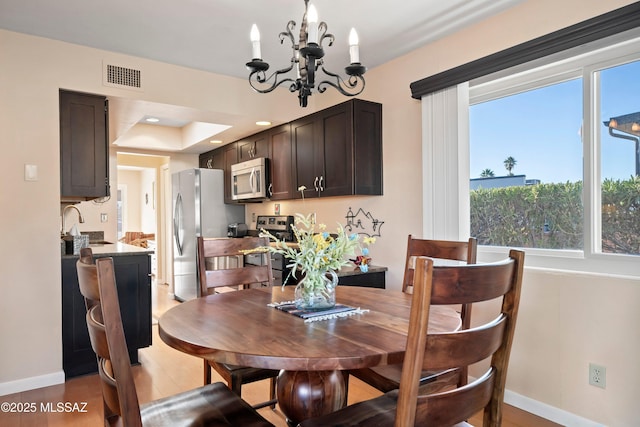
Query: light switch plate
{"x":30,"y":172}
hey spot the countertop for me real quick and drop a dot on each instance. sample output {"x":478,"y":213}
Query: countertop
{"x":114,"y":249}
{"x":353,"y":271}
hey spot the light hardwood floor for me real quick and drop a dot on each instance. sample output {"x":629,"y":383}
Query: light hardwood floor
{"x":164,"y":371}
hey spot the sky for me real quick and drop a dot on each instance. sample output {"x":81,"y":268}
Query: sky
{"x":541,"y":130}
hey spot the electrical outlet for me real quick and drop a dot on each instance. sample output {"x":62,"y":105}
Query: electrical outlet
{"x":597,"y":375}
{"x":103,"y":217}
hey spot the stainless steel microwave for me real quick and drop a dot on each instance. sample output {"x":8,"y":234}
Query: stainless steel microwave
{"x":249,"y":180}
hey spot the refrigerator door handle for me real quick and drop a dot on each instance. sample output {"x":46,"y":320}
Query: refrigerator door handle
{"x":178,"y":226}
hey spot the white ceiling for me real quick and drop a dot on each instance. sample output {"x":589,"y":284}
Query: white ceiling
{"x":213,"y":35}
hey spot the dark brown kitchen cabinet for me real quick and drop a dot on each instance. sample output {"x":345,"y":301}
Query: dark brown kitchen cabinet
{"x":213,"y":159}
{"x":84,"y":149}
{"x":367,"y":148}
{"x":254,"y":146}
{"x":281,"y":164}
{"x":134,"y":294}
{"x":221,"y":158}
{"x":333,"y":152}
{"x":304,"y":139}
{"x":338,"y":151}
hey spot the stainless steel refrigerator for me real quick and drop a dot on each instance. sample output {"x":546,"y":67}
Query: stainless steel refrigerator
{"x":198,"y":210}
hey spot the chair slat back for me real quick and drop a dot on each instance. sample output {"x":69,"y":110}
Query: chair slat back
{"x":455,"y":285}
{"x":87,"y":278}
{"x":210,"y":279}
{"x":448,"y":409}
{"x":471,"y":283}
{"x":107,"y":339}
{"x":97,"y":332}
{"x":465,"y":251}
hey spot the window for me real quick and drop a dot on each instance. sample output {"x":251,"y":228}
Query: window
{"x":619,"y":112}
{"x":554,"y":156}
{"x":526,"y":168}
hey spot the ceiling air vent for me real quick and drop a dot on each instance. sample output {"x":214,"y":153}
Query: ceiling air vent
{"x":122,"y":77}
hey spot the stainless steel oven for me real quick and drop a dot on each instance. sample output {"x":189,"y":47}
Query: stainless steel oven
{"x":279,"y":226}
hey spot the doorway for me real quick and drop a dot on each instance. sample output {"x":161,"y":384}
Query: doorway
{"x":143,"y":209}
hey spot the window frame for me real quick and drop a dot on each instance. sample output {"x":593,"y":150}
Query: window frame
{"x":583,"y":63}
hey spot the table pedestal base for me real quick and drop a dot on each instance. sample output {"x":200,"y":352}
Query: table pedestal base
{"x":309,"y":394}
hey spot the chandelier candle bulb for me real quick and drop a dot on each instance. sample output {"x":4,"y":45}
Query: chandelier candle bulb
{"x":255,"y":41}
{"x":312,"y":20}
{"x":354,"y":51}
{"x":307,"y":61}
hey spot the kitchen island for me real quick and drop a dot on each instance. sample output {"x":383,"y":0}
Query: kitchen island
{"x":132,"y":266}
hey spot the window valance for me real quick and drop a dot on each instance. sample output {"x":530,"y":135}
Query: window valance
{"x":608,"y":24}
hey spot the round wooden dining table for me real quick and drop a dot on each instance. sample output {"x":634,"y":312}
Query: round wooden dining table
{"x":240,"y":328}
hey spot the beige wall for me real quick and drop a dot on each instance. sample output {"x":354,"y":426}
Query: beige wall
{"x":558,"y":332}
{"x":32,"y":71}
{"x":132,"y":214}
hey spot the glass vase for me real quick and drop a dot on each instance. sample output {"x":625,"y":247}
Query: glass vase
{"x":316,"y":291}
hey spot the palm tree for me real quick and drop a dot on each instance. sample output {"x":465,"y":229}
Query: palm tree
{"x":509,"y":164}
{"x":487,"y":173}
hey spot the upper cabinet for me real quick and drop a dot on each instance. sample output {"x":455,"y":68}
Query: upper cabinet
{"x":254,"y":146}
{"x":367,"y":148}
{"x":212,"y":159}
{"x":334,"y":152}
{"x":338,"y":151}
{"x":84,"y":150}
{"x":281,"y":164}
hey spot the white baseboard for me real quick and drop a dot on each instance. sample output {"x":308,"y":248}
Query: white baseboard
{"x":548,"y":412}
{"x":31,"y":383}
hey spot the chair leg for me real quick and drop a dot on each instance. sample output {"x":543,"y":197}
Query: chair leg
{"x":207,"y":373}
{"x":272,"y":397}
{"x":235,"y":384}
{"x":346,"y":382}
{"x":272,"y":393}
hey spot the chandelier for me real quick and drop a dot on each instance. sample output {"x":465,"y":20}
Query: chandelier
{"x":306,"y":60}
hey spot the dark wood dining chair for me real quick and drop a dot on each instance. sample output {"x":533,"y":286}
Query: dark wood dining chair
{"x":211,"y":405}
{"x":413,"y":405}
{"x":386,"y":378}
{"x":211,"y":280}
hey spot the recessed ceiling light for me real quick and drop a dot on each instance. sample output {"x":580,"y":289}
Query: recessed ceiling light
{"x":215,"y":141}
{"x":152,"y":119}
{"x":263,"y":123}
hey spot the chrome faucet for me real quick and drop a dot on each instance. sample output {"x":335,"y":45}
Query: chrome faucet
{"x":64,"y":211}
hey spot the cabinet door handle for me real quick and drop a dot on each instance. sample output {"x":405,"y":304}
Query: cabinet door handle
{"x":321,"y":179}
{"x":315,"y":183}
